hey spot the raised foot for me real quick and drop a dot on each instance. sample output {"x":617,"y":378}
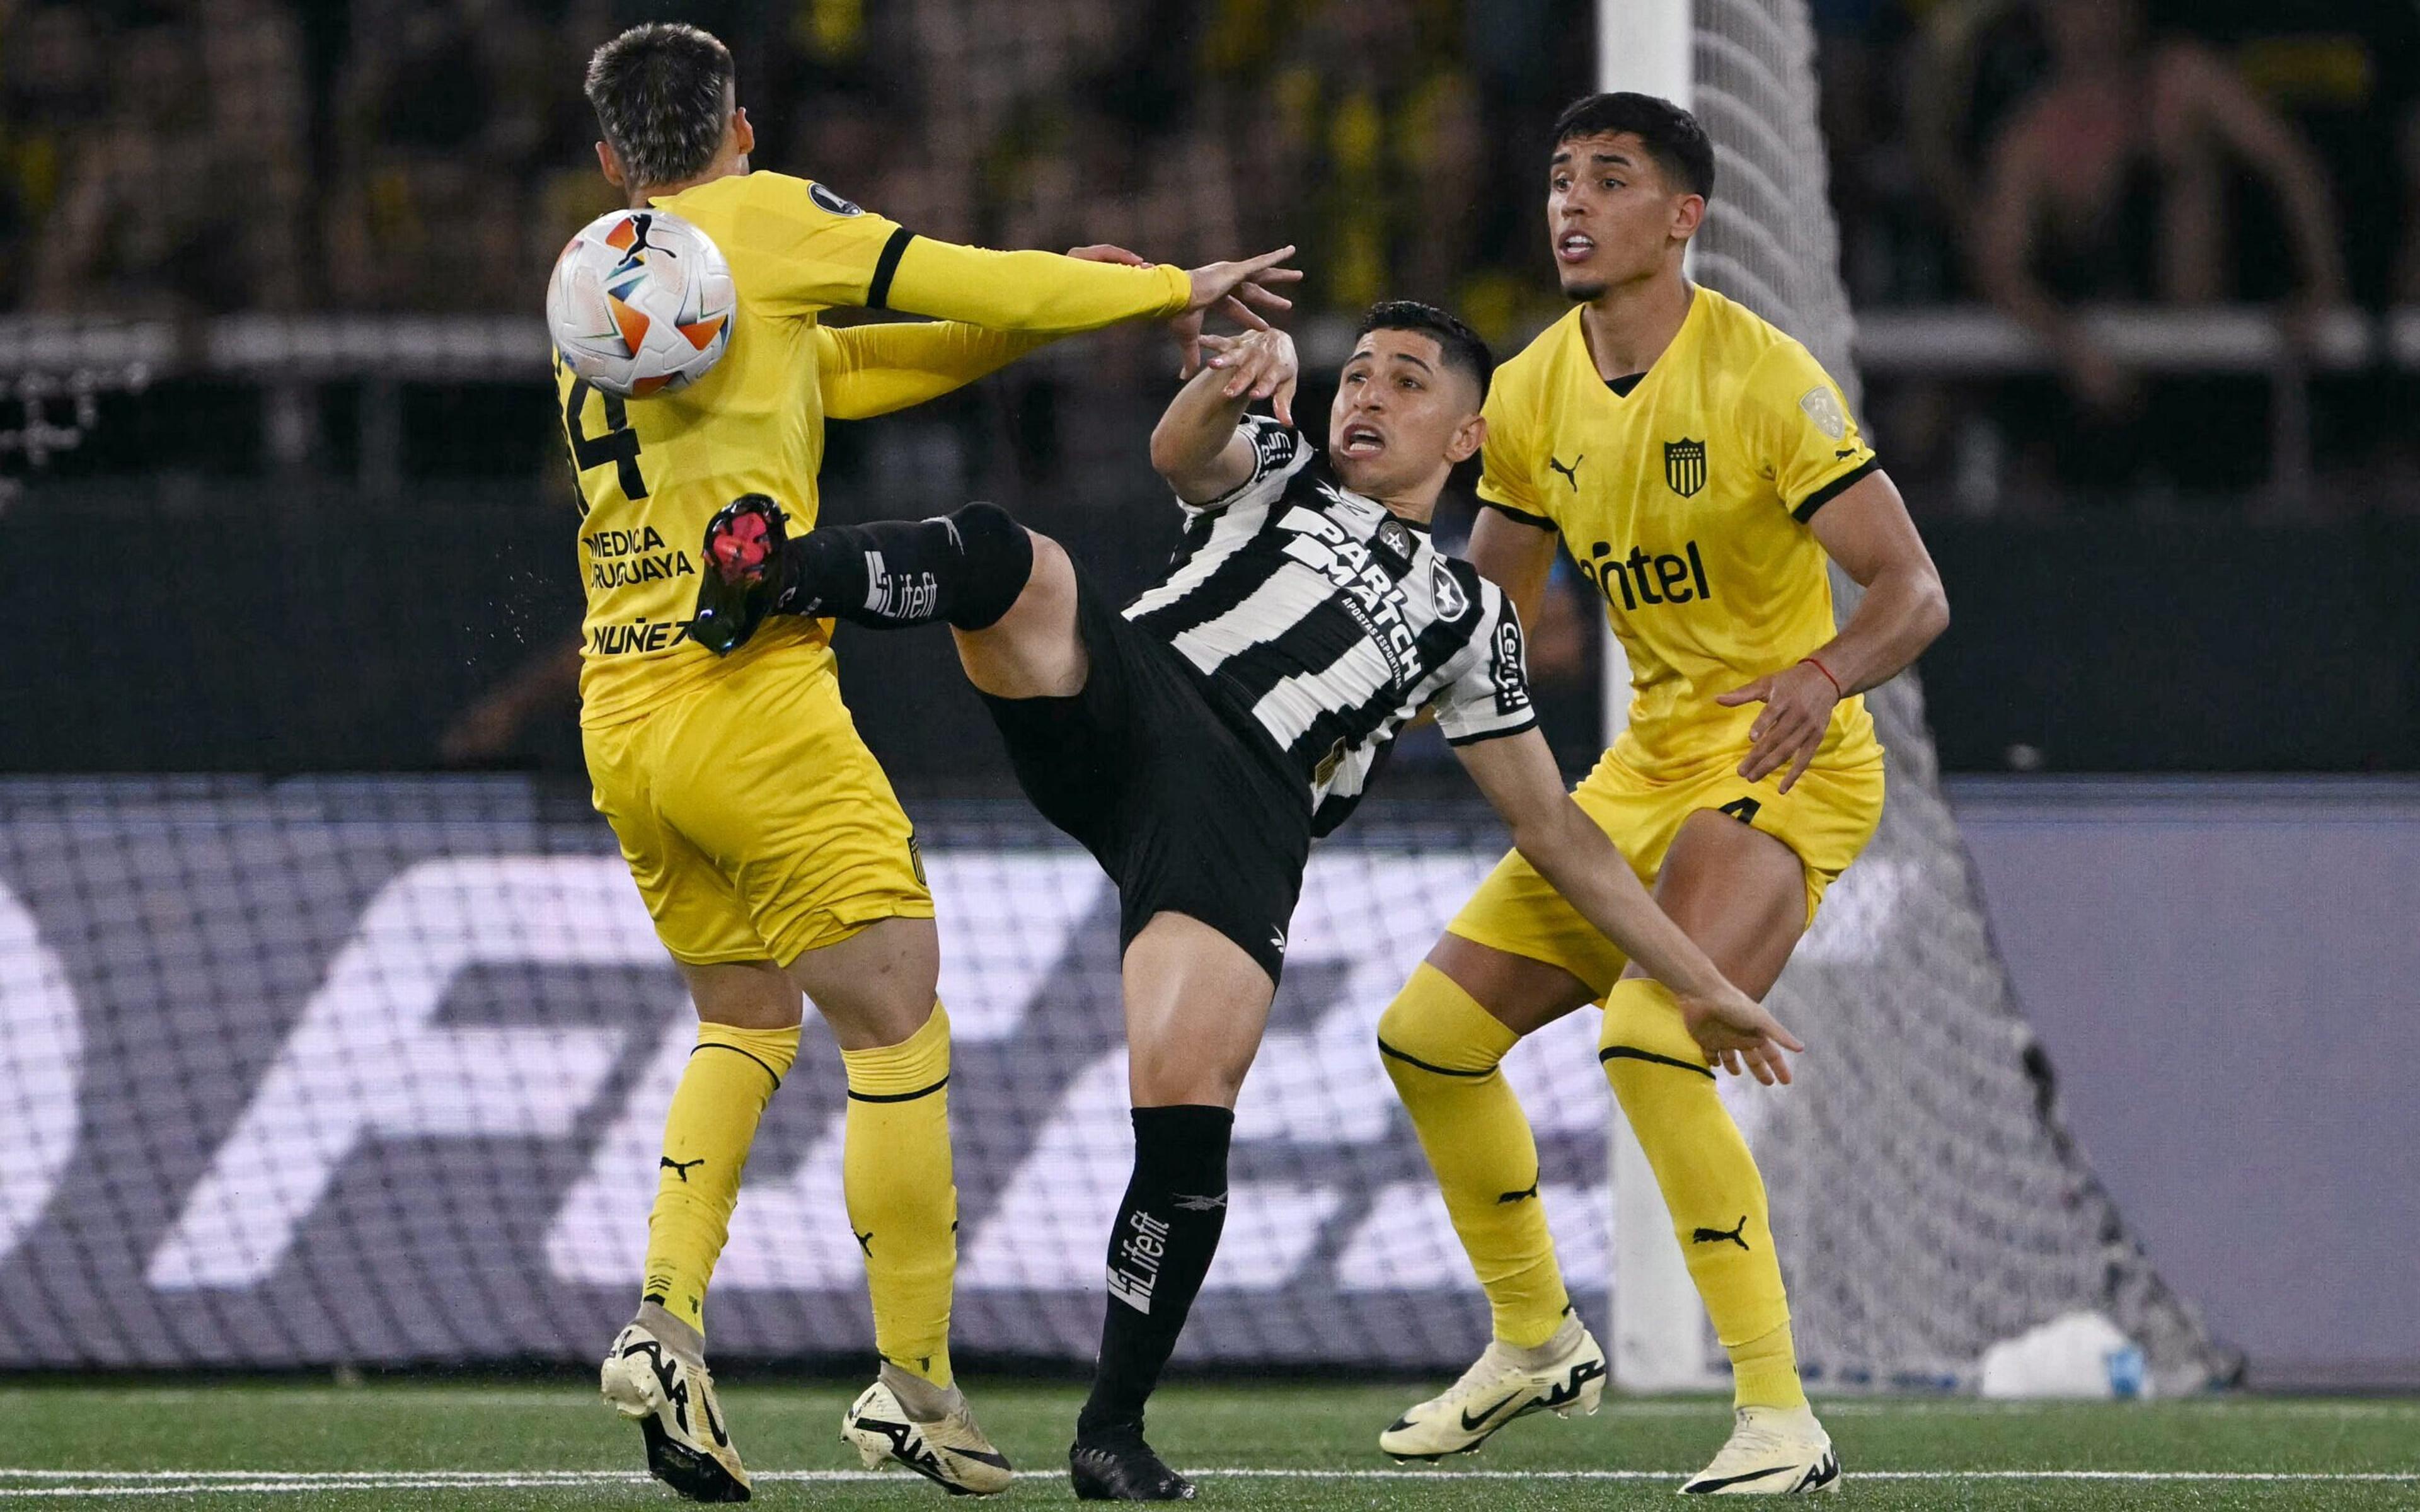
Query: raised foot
{"x":737,"y":581}
{"x":672,"y":1400}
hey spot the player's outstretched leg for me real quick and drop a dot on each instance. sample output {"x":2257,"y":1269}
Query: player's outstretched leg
{"x":1442,"y":1051}
{"x":1196,"y":1006}
{"x":966,"y":570}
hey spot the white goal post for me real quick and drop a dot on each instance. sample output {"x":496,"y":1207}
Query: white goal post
{"x":1659,"y":1327}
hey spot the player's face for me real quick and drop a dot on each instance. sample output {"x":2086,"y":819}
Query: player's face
{"x":1402,"y":417}
{"x":1611,"y":219}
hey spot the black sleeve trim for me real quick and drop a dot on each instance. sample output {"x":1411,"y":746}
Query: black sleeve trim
{"x":1834,"y":489}
{"x":1536,"y":522}
{"x":1522,"y":729}
{"x":878,"y":294}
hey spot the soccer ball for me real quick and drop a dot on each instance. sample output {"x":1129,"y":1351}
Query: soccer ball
{"x":640,"y":303}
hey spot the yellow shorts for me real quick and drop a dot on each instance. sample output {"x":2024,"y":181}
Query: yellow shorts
{"x":757,"y":824}
{"x":1826,"y":818}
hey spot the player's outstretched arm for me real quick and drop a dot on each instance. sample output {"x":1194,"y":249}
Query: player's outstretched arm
{"x":1518,"y":775}
{"x":1867,"y":530}
{"x":1046,"y":291}
{"x":1196,"y":446}
{"x":873,"y":370}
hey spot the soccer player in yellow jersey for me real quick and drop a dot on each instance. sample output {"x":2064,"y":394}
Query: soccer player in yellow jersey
{"x":1702,"y":470}
{"x":767,"y":844}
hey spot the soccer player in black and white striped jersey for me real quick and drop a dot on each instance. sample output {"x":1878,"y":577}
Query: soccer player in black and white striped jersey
{"x":1198,"y":742}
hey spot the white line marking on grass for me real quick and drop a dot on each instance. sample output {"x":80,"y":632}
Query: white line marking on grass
{"x":258,"y":1482}
{"x":778,"y":1398}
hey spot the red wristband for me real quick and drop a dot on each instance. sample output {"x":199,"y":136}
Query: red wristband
{"x":1838,"y":691}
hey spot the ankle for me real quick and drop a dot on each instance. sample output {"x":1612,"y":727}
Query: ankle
{"x":686,"y":1344}
{"x":1547,"y":1350}
{"x":1108,"y":1430}
{"x":921,"y":1400}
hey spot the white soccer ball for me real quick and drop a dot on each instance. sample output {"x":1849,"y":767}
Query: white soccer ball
{"x":640,"y":303}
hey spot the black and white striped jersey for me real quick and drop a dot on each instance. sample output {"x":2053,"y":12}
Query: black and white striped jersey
{"x":1330,"y":621}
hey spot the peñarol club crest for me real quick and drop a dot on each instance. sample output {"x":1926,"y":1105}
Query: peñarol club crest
{"x":1685,"y":466}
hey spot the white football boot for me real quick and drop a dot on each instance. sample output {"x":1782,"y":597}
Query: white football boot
{"x":1773,"y":1451}
{"x":672,"y":1399}
{"x":950,"y":1450}
{"x":1565,"y":1372}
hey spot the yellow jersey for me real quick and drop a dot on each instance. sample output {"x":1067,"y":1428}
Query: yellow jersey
{"x":651,"y":471}
{"x":1685,"y":501}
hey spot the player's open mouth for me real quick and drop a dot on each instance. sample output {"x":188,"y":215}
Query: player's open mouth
{"x":1574,"y":247}
{"x":1362,"y":441}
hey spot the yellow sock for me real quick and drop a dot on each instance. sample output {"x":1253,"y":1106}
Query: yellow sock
{"x":730,"y":1077}
{"x":1708,"y":1178}
{"x":1764,"y":1371}
{"x":901,"y":1207}
{"x":1441,"y":1049}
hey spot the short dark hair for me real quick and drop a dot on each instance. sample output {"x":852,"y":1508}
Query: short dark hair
{"x":1461,"y":347}
{"x":1673,"y":138}
{"x":661,"y":92}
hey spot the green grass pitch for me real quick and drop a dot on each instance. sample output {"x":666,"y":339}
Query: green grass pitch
{"x":444,"y":1445}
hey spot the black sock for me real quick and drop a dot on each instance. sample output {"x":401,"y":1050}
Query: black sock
{"x":966,"y":568}
{"x":1166,"y":1231}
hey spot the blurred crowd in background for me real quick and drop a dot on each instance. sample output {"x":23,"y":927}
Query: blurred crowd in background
{"x":178,"y":159}
{"x":196,"y":157}
{"x":200,"y":156}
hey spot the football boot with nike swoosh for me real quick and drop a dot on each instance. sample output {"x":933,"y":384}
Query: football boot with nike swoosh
{"x":672,"y":1399}
{"x":1566,"y":1372}
{"x":1772,"y":1451}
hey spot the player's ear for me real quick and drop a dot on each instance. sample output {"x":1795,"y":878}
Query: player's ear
{"x":743,"y":136}
{"x":610,"y":166}
{"x":1688,"y":213}
{"x":1467,"y":438}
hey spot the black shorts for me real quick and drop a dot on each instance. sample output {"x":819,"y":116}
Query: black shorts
{"x":1186,"y":812}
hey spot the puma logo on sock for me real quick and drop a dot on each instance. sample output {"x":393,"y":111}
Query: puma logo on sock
{"x":679,"y":1167}
{"x":1715,"y":1236}
{"x":1523,"y":1195}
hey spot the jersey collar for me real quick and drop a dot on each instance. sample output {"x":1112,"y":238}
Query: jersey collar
{"x":1580,"y":354}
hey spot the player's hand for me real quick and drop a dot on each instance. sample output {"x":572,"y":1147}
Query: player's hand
{"x":1261,"y":364}
{"x":1797,"y":710}
{"x":1243,"y":290}
{"x":1737,"y":1031}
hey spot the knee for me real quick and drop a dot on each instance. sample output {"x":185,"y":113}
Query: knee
{"x":1000,"y":553}
{"x":742,"y":998}
{"x":1432,"y":1027}
{"x":1166,"y":1077}
{"x":880,"y":1021}
{"x":1643,"y":1027}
